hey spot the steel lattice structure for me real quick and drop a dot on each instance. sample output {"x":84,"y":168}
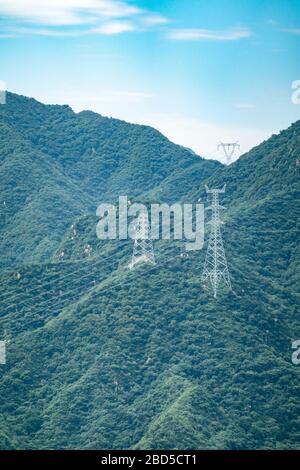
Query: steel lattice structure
{"x":229,"y":149}
{"x":143,"y":246}
{"x":215,"y":267}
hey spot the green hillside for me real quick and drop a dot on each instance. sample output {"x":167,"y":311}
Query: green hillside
{"x":57,"y":165}
{"x":105,"y":357}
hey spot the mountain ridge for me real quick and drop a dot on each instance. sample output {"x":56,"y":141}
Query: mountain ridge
{"x":105,"y":357}
{"x":65,"y":144}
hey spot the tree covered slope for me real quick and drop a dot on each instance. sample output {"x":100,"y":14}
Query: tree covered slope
{"x":57,"y":165}
{"x":105,"y":357}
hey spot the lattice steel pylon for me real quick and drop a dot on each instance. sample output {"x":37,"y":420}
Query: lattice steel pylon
{"x":143,"y":246}
{"x":215,"y":267}
{"x":229,"y":149}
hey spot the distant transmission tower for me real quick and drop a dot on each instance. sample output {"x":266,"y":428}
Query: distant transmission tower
{"x":143,"y":247}
{"x":229,"y":149}
{"x":215,"y":268}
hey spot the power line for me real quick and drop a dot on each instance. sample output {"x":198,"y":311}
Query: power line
{"x":88,"y":265}
{"x":75,"y":298}
{"x":22,"y":267}
{"x":24,"y":302}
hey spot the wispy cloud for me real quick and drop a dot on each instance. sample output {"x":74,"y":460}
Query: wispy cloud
{"x":62,"y":17}
{"x":66,"y":12}
{"x":47,"y":32}
{"x":7,"y":35}
{"x":209,"y":34}
{"x":107,"y":17}
{"x":114,"y":27}
{"x":295,"y":31}
{"x":155,"y":20}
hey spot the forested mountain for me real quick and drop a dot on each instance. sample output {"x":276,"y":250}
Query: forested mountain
{"x":105,"y":357}
{"x":57,"y":165}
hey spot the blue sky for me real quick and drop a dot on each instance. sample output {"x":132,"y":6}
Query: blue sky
{"x":199,"y":71}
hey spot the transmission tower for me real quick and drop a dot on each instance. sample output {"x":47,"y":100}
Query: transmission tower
{"x":215,"y":268}
{"x":229,"y":149}
{"x":143,"y":247}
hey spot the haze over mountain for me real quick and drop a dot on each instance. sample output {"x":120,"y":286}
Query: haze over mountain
{"x":108,"y":358}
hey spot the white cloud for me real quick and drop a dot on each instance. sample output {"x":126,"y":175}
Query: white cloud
{"x":114,"y":27}
{"x":66,"y":12}
{"x":59,"y":17}
{"x":49,"y":32}
{"x":155,"y":20}
{"x":209,"y":34}
{"x":44,"y":17}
